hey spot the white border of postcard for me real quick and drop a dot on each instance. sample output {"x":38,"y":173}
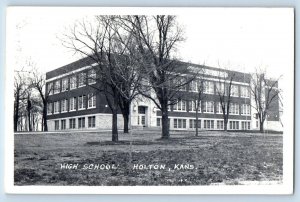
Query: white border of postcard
{"x":288,"y":138}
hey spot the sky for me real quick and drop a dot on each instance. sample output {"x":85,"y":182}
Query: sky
{"x":241,"y":39}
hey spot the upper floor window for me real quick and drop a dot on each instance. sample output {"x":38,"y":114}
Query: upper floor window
{"x":208,"y":107}
{"x":219,"y":109}
{"x":64,"y":105}
{"x":208,"y":87}
{"x":245,"y":109}
{"x":81,"y":79}
{"x":91,"y":76}
{"x":181,"y":83}
{"x":56,"y":107}
{"x":73,"y":82}
{"x":193,"y":106}
{"x":180,"y":105}
{"x":50,"y":88}
{"x":220,"y":89}
{"x":245,"y":92}
{"x":81,"y":102}
{"x":72,"y":106}
{"x":49,"y":108}
{"x":65,"y":84}
{"x":234,"y":108}
{"x":234,"y":92}
{"x":91,"y":100}
{"x":57,"y":86}
{"x":193,"y":86}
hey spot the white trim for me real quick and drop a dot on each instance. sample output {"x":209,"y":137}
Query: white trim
{"x":72,"y":72}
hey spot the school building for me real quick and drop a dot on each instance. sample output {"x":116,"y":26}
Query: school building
{"x":74,"y":104}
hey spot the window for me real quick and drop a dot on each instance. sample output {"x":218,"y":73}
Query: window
{"x":234,"y":125}
{"x":234,"y":109}
{"x":56,"y":86}
{"x":81,"y":79}
{"x":245,"y":109}
{"x":91,"y":76}
{"x":245,"y":125}
{"x":192,"y":106}
{"x":245,"y":92}
{"x":56,"y":125}
{"x":193,"y":123}
{"x":220,"y":124}
{"x":64,"y":105}
{"x":180,"y":106}
{"x":56,"y":107}
{"x":220,"y":89}
{"x":208,"y":107}
{"x":81,"y":102}
{"x":72,"y":123}
{"x":65,"y":83}
{"x":72,"y":104}
{"x":181,"y":84}
{"x":158,"y":122}
{"x":179,"y":123}
{"x":50,"y":88}
{"x":219,"y":109}
{"x":91,"y":100}
{"x":234,"y":92}
{"x":193,"y":86}
{"x":50,"y":108}
{"x":209,"y":124}
{"x":208,"y":87}
{"x":63,"y":124}
{"x":91,"y":122}
{"x":73,"y":82}
{"x":81,"y":122}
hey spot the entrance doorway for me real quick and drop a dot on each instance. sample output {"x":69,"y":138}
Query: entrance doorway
{"x":142,"y":116}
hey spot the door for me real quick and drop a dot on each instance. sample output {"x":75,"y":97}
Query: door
{"x":142,"y":116}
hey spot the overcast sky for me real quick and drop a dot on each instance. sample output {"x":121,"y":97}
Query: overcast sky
{"x":242,"y":39}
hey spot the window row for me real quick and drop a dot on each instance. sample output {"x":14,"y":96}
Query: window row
{"x":82,"y":102}
{"x":181,"y":123}
{"x":62,"y":124}
{"x":72,"y":82}
{"x":211,"y":107}
{"x":219,"y":88}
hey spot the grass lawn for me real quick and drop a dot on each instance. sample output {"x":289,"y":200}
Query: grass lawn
{"x":212,"y":158}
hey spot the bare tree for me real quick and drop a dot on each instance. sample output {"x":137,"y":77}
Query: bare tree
{"x":196,"y":86}
{"x":224,"y":89}
{"x":38,"y":82}
{"x":265,"y":93}
{"x":156,"y":38}
{"x":102,"y":42}
{"x":18,"y":94}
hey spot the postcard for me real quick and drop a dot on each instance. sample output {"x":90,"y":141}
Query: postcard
{"x":140,"y":100}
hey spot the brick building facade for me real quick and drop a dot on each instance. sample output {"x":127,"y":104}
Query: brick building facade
{"x":75,"y":105}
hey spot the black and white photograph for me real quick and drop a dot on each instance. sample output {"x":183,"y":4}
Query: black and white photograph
{"x":149,"y":100}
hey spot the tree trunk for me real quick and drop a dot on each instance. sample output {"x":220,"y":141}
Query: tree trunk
{"x":126,"y":123}
{"x":45,"y":126}
{"x":33,"y":122}
{"x":125,"y":108}
{"x":225,"y":124}
{"x":261,"y":126}
{"x":197,"y":118}
{"x":29,"y":114}
{"x":115,"y":137}
{"x":165,"y":124}
{"x":16,"y":113}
